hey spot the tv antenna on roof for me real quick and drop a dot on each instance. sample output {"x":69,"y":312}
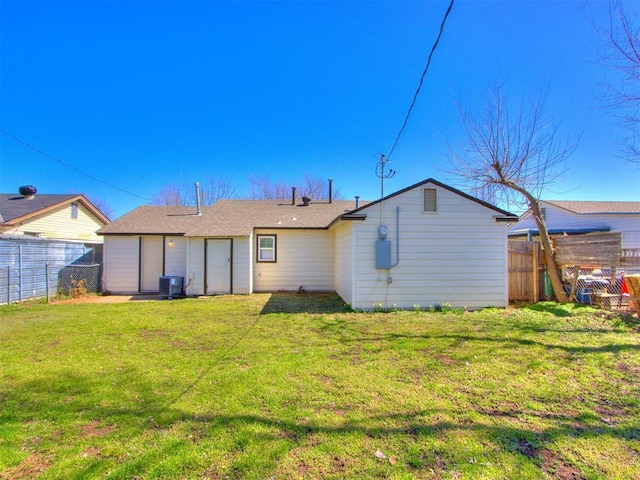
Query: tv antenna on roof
{"x":382,"y":175}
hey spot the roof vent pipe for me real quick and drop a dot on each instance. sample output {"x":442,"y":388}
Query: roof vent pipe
{"x":357,"y":200}
{"x":330,"y":189}
{"x":198,"y":211}
{"x":293,"y":195}
{"x":306,"y":201}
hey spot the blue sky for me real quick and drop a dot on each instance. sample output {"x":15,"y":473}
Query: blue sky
{"x":141,"y":94}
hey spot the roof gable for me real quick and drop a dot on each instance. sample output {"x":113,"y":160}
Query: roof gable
{"x":444,"y":186}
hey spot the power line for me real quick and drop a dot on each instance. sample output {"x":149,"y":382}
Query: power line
{"x":424,"y":73}
{"x":68,"y":165}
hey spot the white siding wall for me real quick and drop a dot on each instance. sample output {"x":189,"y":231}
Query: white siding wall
{"x":195,"y":266}
{"x":304,"y":258}
{"x":456,"y":256}
{"x":627,"y":224}
{"x":344,"y":257}
{"x":630,"y":228}
{"x":121,"y":264}
{"x":175,"y":257}
{"x":59,"y":224}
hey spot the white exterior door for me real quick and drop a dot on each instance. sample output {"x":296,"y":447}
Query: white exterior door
{"x":150,"y":263}
{"x":218,"y":262}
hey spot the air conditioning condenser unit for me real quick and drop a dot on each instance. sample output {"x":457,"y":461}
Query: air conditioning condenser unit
{"x":170,"y":286}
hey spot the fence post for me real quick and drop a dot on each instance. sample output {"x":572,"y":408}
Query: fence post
{"x":46,"y":279}
{"x":19,"y":273}
{"x":8,"y":284}
{"x":536,"y":271}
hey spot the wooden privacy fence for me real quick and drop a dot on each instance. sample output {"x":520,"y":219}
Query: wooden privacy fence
{"x":525,"y":271}
{"x":593,"y":267}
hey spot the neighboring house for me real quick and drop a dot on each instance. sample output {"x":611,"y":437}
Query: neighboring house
{"x":438,"y":245}
{"x":577,"y":217}
{"x":59,"y":216}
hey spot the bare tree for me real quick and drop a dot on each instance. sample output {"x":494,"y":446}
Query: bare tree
{"x":215,"y":188}
{"x":183,"y":194}
{"x":103,"y":206}
{"x":171,"y":195}
{"x":264,"y":189}
{"x":622,"y":97}
{"x":510,"y":157}
{"x":316,"y":188}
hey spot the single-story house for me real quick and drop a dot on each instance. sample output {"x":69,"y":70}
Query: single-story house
{"x":54,"y":216}
{"x":578,"y":217}
{"x":425,"y":245}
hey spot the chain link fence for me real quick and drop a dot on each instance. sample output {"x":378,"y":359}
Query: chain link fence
{"x":600,"y":286}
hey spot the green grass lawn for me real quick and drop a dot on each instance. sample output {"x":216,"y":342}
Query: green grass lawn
{"x":294,"y":386}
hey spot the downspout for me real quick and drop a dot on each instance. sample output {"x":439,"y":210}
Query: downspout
{"x":188,"y":271}
{"x":397,"y":237}
{"x":206,"y":267}
{"x":389,"y":278}
{"x":139,"y":264}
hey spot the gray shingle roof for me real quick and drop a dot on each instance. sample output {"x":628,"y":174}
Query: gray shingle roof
{"x":14,"y":206}
{"x":596,"y":207}
{"x":226,"y":218}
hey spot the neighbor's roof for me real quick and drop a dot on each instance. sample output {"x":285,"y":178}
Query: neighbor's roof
{"x":16,"y":208}
{"x":586,"y":207}
{"x":226,"y":218}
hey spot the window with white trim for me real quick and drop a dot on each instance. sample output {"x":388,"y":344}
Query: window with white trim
{"x":430,"y":200}
{"x":266,"y":248}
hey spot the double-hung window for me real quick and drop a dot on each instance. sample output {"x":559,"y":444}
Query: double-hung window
{"x":266,"y":248}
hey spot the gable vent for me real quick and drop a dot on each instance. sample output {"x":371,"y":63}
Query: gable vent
{"x":430,"y":200}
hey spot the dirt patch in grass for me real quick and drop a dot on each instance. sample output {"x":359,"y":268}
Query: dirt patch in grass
{"x":107,"y":299}
{"x":609,"y":412}
{"x":147,"y":333}
{"x":630,"y":370}
{"x":558,"y":468}
{"x":94,"y":452}
{"x":31,"y":467}
{"x":93,"y":429}
{"x":447,"y":361}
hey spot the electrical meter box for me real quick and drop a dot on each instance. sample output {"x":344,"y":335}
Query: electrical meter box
{"x":383,"y":254}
